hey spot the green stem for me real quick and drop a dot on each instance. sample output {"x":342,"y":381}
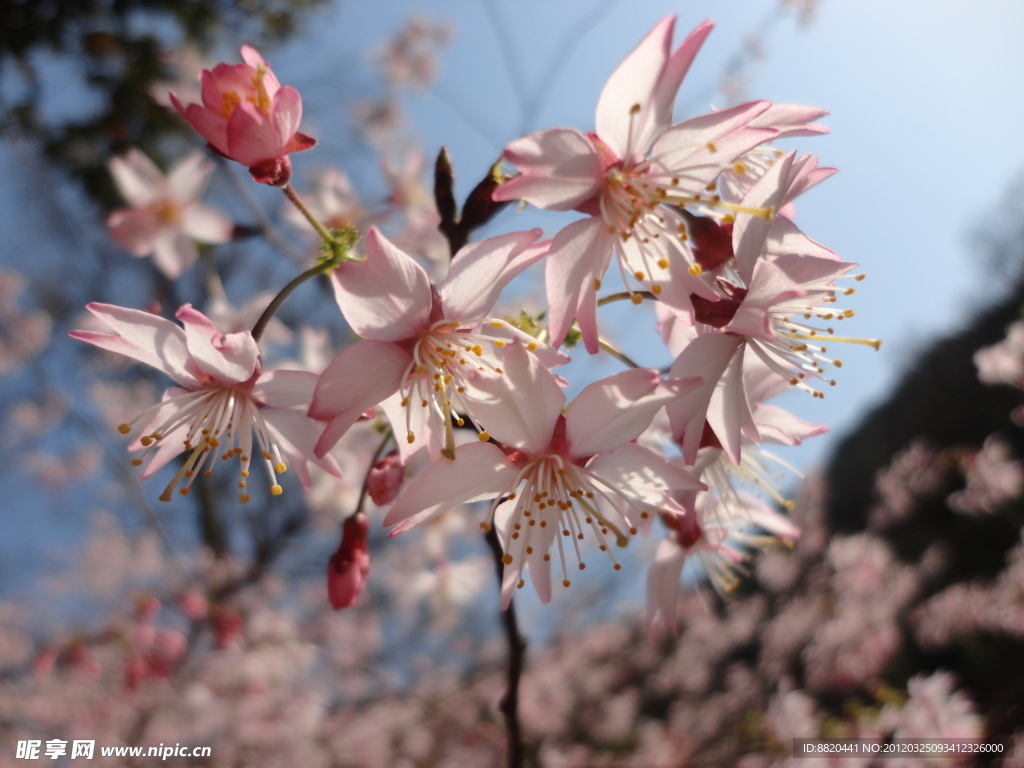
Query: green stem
{"x":293,"y":196}
{"x":616,"y":354}
{"x":623,"y":295}
{"x":317,"y":269}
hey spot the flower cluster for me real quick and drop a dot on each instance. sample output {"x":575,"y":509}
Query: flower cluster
{"x":698,"y":216}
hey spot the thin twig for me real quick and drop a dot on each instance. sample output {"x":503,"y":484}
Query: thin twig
{"x":263,"y":223}
{"x":621,"y":357}
{"x":364,"y":491}
{"x":268,"y":313}
{"x":509,"y":704}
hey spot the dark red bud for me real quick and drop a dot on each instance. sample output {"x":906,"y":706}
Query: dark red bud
{"x":384,"y":479}
{"x":710,"y":241}
{"x":349,"y":568}
{"x":276,"y":172}
{"x":717,"y":314}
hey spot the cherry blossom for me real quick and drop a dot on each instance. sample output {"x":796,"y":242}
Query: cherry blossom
{"x":247,"y":116}
{"x":631,"y":175}
{"x":165,"y":216}
{"x":222,"y":399}
{"x":420,"y":344}
{"x":553,"y":476}
{"x":722,"y":536}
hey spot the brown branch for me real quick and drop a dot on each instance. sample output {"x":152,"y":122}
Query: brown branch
{"x":509,"y":704}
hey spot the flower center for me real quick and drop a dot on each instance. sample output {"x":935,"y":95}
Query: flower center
{"x":207,"y":421}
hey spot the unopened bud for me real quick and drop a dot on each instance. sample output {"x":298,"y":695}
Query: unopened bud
{"x":349,"y":568}
{"x":385,"y":479}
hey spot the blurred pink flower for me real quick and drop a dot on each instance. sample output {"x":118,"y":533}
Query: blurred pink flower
{"x":248,"y":117}
{"x":165,"y":214}
{"x":222,"y":400}
{"x":385,"y":479}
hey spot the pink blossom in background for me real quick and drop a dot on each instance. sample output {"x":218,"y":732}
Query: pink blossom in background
{"x":247,"y":116}
{"x":222,"y":401}
{"x":165,"y":217}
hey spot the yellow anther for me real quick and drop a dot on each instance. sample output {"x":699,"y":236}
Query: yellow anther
{"x":617,"y":567}
{"x":638,"y":275}
{"x":280,"y":468}
{"x":241,"y":483}
{"x":858,"y":278}
{"x":597,"y":284}
{"x":740,"y":168}
{"x":565,"y":582}
{"x":712,"y":147}
{"x":183,"y":491}
{"x":531,"y":346}
{"x":837,"y":363}
{"x":478,"y":350}
{"x":137,"y":462}
{"x":485,"y":526}
{"x":267,"y":456}
{"x":695,"y":269}
{"x":529,"y":550}
{"x":547,"y":558}
{"x":405,"y":402}
{"x":410,"y":438}
{"x":483,"y":437}
{"x":656,"y":289}
{"x":635,"y":109}
{"x":636,"y":298}
{"x":849,"y":291}
{"x":277,"y":490}
{"x":496,"y":323}
{"x":506,"y":559}
{"x":520,"y":584}
{"x":245,"y":473}
{"x":583,"y":566}
{"x":244,"y":498}
{"x":146,"y":440}
{"x":663,"y":263}
{"x":124,"y":429}
{"x":499,"y":344}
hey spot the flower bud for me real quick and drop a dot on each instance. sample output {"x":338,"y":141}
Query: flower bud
{"x":385,"y":479}
{"x":248,"y":117}
{"x":349,"y":567}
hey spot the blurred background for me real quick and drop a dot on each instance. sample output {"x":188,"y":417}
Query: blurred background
{"x":900,"y":610}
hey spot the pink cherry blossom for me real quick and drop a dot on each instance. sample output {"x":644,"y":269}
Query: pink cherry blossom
{"x":723,"y":533}
{"x":165,"y":214}
{"x":349,"y":567}
{"x":222,"y":399}
{"x":554,"y":477}
{"x":421,"y":344}
{"x":632,"y":176}
{"x":248,"y":117}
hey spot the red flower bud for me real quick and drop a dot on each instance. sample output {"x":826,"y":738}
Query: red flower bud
{"x":349,"y":567}
{"x":385,"y":479}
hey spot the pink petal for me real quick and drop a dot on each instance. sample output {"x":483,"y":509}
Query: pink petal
{"x":749,"y":233}
{"x":173,"y":253}
{"x":298,"y":142}
{"x":704,"y":145}
{"x":616,"y":409}
{"x":188,"y":179}
{"x":672,"y":75}
{"x":792,"y":120}
{"x":207,"y":225}
{"x":559,"y":170}
{"x":228,"y":357}
{"x":296,"y":434}
{"x":786,"y":238}
{"x":707,"y":356}
{"x":150,"y":339}
{"x":663,"y":589}
{"x":478,"y":471}
{"x":579,"y":256}
{"x":812,"y":270}
{"x":252,"y":57}
{"x":134,"y":230}
{"x":642,"y":474}
{"x":285,"y":389}
{"x":358,"y":378}
{"x":520,"y":406}
{"x":480,"y":271}
{"x":783,"y":428}
{"x":404,"y":420}
{"x":138,"y":180}
{"x":286,"y":114}
{"x":729,"y":409}
{"x":675,"y":329}
{"x":208,"y":124}
{"x":386,"y":297}
{"x":252,"y":136}
{"x":549,"y":356}
{"x":632,"y":85}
